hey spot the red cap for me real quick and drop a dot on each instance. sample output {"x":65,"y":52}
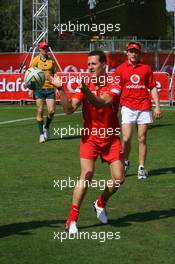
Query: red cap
{"x":43,"y":44}
{"x":134,"y":46}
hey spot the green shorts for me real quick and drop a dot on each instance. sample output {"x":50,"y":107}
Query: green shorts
{"x":44,"y":93}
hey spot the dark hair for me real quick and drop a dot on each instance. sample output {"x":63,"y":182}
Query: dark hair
{"x":100,"y":53}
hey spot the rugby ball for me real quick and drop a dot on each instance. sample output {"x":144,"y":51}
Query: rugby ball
{"x":34,"y":78}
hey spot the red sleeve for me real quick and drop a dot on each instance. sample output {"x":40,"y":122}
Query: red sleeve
{"x":113,"y":91}
{"x":78,"y":94}
{"x":117,"y":71}
{"x":118,"y":75}
{"x":151,"y":81}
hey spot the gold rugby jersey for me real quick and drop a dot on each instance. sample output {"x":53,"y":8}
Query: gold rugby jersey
{"x":48,"y":66}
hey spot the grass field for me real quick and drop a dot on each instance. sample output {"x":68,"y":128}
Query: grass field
{"x":32,"y":209}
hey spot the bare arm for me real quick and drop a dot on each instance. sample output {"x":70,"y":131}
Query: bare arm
{"x":155,"y":96}
{"x":69,"y":105}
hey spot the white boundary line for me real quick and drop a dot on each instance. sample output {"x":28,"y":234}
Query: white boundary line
{"x":29,"y":118}
{"x":32,"y":118}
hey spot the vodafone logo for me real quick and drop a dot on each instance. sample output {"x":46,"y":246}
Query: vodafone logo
{"x":12,"y":86}
{"x":72,"y":85}
{"x":70,"y":68}
{"x":158,"y":86}
{"x":135,"y":78}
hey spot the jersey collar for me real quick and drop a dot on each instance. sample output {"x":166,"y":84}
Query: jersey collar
{"x":42,"y":58}
{"x":134,"y":66}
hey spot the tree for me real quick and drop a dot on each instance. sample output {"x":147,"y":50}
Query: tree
{"x":147,"y":19}
{"x":170,"y":25}
{"x":140,"y":18}
{"x":9,"y":31}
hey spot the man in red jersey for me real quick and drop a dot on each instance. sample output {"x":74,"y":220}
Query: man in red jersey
{"x":100,"y":101}
{"x":136,"y":79}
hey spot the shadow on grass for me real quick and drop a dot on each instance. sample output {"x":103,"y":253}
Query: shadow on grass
{"x":159,"y":171}
{"x":127,"y":220}
{"x":64,"y":138}
{"x":22,"y":228}
{"x":160,"y":125}
{"x":143,"y":217}
{"x":170,"y":170}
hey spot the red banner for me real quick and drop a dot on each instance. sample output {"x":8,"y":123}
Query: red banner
{"x":69,"y":62}
{"x":13,"y":88}
{"x":173,"y":89}
{"x":77,"y":62}
{"x":162,"y":81}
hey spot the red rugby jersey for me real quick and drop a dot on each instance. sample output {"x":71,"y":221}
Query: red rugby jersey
{"x":135,"y":82}
{"x":102,"y":119}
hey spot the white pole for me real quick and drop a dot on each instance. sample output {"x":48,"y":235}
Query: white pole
{"x":59,"y":14}
{"x":21,"y":28}
{"x":59,"y":67}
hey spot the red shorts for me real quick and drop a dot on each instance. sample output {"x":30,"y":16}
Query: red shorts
{"x":108,"y":152}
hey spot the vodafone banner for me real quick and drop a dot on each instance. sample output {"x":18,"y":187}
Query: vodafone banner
{"x":77,"y":62}
{"x":173,"y":89}
{"x":162,"y":80}
{"x":69,"y":62}
{"x":12,"y":87}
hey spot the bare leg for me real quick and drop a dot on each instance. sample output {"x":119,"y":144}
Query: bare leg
{"x":87,"y":170}
{"x":117,"y":176}
{"x":50,"y":110}
{"x":40,"y":109}
{"x":127,"y":130}
{"x":142,"y":133}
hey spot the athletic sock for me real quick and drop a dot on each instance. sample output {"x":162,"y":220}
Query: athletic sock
{"x":141,"y":167}
{"x":48,"y":121}
{"x":101,"y":201}
{"x":73,"y":213}
{"x":40,"y":126}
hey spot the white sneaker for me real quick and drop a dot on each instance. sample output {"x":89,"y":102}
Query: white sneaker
{"x":142,"y":173}
{"x":46,"y":133}
{"x":71,"y":228}
{"x":101,"y":213}
{"x":41,"y":138}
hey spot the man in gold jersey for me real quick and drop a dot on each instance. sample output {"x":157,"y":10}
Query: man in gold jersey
{"x":46,"y":93}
